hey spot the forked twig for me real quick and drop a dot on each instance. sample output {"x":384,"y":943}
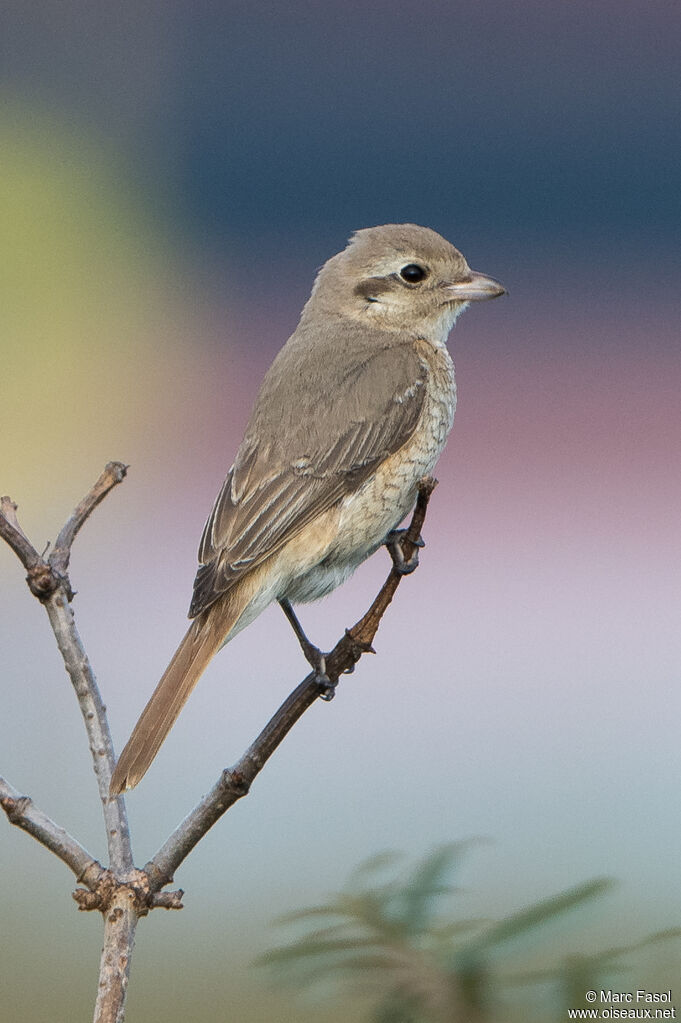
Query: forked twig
{"x":122,"y":892}
{"x":23,"y":813}
{"x":48,"y":581}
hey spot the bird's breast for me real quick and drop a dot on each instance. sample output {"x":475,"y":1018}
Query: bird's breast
{"x":385,"y":498}
{"x":367,"y":515}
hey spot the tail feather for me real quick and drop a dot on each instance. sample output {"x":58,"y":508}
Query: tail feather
{"x":190,"y":660}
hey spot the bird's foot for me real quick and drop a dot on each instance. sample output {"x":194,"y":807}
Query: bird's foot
{"x":313,"y":655}
{"x":401,"y":564}
{"x":326,"y":686}
{"x":317,"y":661}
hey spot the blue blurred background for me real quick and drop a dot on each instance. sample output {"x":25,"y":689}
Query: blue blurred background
{"x":171,"y":176}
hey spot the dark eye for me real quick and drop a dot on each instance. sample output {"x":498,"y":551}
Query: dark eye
{"x":413,"y":273}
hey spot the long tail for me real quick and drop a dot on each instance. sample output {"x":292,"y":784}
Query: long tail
{"x":202,"y":640}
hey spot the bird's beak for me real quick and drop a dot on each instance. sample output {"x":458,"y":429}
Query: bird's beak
{"x":474,"y":288}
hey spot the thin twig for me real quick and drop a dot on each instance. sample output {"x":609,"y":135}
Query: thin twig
{"x":235,"y":782}
{"x":113,"y":474}
{"x":23,"y":813}
{"x":49,"y":581}
{"x":232,"y":784}
{"x":120,"y":892}
{"x":96,"y":723}
{"x":12,"y":533}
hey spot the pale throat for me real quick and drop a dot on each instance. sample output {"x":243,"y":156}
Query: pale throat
{"x":436,"y":327}
{"x":443,"y":323}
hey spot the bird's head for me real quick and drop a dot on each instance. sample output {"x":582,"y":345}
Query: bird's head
{"x":401,"y":277}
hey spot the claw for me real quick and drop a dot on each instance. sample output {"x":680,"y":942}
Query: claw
{"x":401,"y":564}
{"x":318,"y":662}
{"x":327,"y":687}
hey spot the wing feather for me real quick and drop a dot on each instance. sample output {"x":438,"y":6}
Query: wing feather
{"x":283,"y":479}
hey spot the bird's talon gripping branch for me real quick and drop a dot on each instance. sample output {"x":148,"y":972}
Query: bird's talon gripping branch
{"x":402,"y":564}
{"x":318,"y":661}
{"x":327,"y":687}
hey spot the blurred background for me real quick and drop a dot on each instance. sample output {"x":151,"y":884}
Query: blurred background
{"x":171,"y":177}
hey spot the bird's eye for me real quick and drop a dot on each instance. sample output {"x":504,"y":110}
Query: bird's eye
{"x":413,"y":273}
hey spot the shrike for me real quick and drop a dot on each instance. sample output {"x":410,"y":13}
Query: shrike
{"x":353,"y":412}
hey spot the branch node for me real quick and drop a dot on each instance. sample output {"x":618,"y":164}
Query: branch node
{"x":107,"y":890}
{"x":86,"y":900}
{"x":99,"y":897}
{"x":15,"y":808}
{"x":357,"y":647}
{"x":235,"y":782}
{"x":42,"y":581}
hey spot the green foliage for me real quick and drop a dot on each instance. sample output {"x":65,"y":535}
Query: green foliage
{"x":387,"y":934}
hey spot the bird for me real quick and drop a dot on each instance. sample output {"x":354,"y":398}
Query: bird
{"x":353,"y":412}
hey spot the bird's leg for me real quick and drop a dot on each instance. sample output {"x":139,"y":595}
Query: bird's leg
{"x":313,"y":655}
{"x":393,"y":542}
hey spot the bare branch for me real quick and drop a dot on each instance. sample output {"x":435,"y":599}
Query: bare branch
{"x":166,"y":900}
{"x":45,"y":575}
{"x":12,"y":533}
{"x":120,"y":893}
{"x":123,"y":893}
{"x":23,"y":813}
{"x":232,"y":784}
{"x":235,"y":782}
{"x":96,"y":723}
{"x":113,"y":474}
{"x":48,"y":581}
{"x":122,"y":903}
{"x":120,"y":924}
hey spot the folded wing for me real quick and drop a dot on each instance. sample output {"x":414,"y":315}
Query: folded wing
{"x":293,"y":465}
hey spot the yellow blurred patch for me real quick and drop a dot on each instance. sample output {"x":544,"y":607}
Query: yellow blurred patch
{"x":89,"y":337}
